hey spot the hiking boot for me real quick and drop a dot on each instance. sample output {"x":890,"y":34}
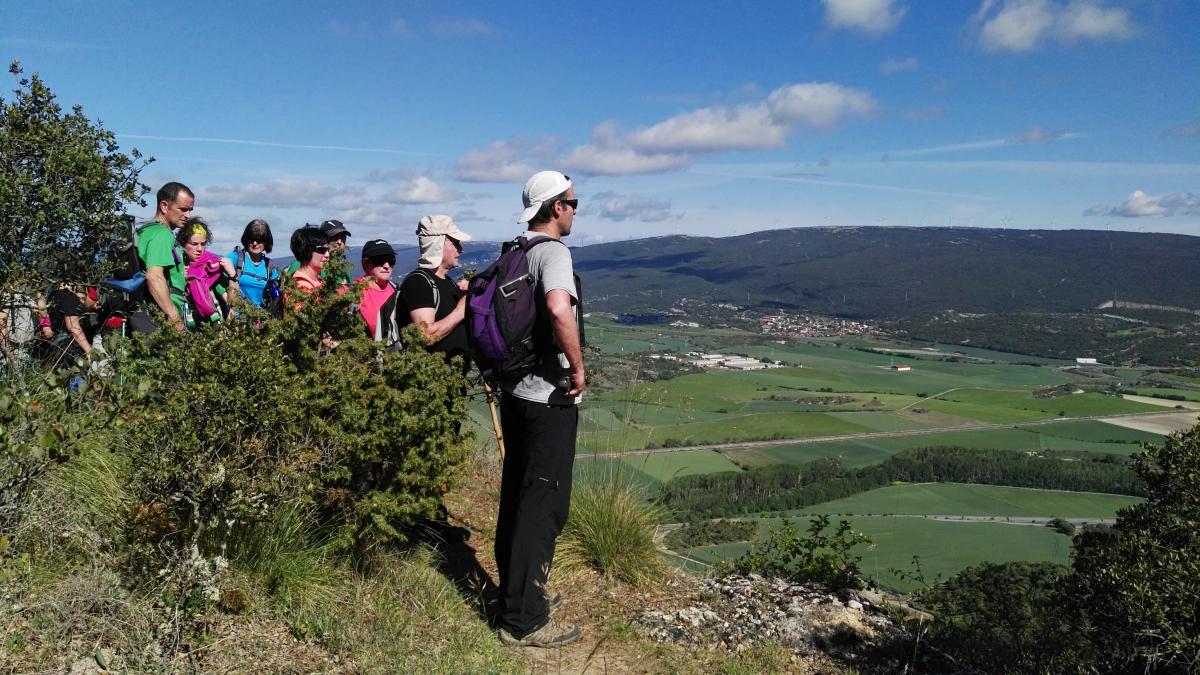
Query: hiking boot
{"x":552,"y":634}
{"x":555,"y":602}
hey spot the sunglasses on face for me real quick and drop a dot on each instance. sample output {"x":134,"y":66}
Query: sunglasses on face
{"x":390,"y":261}
{"x":573,"y":203}
{"x":457,"y":244}
{"x":321,"y":249}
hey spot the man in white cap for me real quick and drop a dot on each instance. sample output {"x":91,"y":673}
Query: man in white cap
{"x":428,"y":296}
{"x":540,"y":417}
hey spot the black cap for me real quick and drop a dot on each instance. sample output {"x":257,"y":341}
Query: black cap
{"x":377,"y":248}
{"x":334,"y":229}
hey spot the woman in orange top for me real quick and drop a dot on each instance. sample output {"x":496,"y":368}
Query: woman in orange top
{"x":311,"y":248}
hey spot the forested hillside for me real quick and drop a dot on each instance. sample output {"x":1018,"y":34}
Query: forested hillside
{"x":893,"y":272}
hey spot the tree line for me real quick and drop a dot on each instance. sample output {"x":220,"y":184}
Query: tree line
{"x":782,"y":487}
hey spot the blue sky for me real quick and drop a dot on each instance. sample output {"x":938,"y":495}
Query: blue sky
{"x":708,"y":118}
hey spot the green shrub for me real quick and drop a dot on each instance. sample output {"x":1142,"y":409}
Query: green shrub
{"x":826,"y":559}
{"x":41,"y":425}
{"x":611,"y":529}
{"x":226,"y":425}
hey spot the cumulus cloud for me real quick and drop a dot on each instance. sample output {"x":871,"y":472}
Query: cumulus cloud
{"x":1025,"y":25}
{"x":498,"y":162}
{"x":619,"y":208}
{"x":600,"y":160}
{"x":1183,"y":131}
{"x":892,"y":66}
{"x":1140,"y":205}
{"x":670,"y":145}
{"x":755,"y":126}
{"x":418,"y":190}
{"x":285,"y":193}
{"x":874,"y":17}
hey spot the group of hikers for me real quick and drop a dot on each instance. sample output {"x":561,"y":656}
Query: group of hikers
{"x":175,"y":279}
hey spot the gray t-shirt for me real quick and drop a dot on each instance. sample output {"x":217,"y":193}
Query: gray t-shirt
{"x":551,"y":268}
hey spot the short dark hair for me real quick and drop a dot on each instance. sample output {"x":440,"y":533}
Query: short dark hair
{"x":305,"y":240}
{"x":194,"y":225}
{"x":170,"y":191}
{"x":546,"y":211}
{"x":258,"y":230}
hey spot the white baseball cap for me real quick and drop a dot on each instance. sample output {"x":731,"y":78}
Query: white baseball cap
{"x":542,"y":186}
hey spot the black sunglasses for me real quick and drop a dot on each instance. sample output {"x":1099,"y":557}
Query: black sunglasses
{"x":321,"y":249}
{"x":573,"y":203}
{"x":389,"y":260}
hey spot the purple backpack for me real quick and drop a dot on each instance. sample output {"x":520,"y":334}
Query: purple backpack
{"x":502,"y":312}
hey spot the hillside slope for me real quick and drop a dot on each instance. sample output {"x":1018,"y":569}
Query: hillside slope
{"x":889,"y":272}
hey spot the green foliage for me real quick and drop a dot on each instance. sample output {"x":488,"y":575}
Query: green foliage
{"x":1005,"y":618}
{"x":706,"y":532}
{"x":820,"y":557}
{"x":1063,"y":526}
{"x":611,"y":528}
{"x":226,"y":425}
{"x":1136,"y":582}
{"x":41,"y":424}
{"x":63,"y":186}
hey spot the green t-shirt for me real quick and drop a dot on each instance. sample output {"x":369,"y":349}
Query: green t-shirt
{"x":156,"y":248}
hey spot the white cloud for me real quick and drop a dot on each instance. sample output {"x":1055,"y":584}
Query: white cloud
{"x":600,"y":160}
{"x":755,"y":126}
{"x":1025,"y":25}
{"x":819,"y":104}
{"x":285,"y":193}
{"x":418,"y":190}
{"x":1140,"y":205}
{"x":498,"y":162}
{"x":747,"y":127}
{"x":1089,"y":21}
{"x":891,"y":66}
{"x":1040,"y":136}
{"x":670,"y":144}
{"x":458,"y":27}
{"x":1183,"y":131}
{"x":619,"y":208}
{"x":874,"y":17}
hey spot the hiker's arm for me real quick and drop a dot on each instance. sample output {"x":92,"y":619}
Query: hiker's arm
{"x":566,"y":331}
{"x":436,"y":330}
{"x":76,"y":331}
{"x":156,"y":283}
{"x":232,"y":289}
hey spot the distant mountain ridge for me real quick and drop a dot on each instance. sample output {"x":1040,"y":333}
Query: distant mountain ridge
{"x":892,"y":272}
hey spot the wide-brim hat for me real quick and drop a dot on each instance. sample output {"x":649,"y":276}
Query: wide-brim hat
{"x":432,"y":226}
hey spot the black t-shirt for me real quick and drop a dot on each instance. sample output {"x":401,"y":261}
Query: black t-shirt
{"x":64,"y":303}
{"x":416,"y":292}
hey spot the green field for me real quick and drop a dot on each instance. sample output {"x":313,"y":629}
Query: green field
{"x":1095,"y":431}
{"x":665,"y":466}
{"x":735,"y":428}
{"x":976,"y":500}
{"x":862,"y":452}
{"x":1187,"y":394}
{"x":945,"y":547}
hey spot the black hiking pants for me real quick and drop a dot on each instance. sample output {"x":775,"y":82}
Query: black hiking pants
{"x":535,"y":497}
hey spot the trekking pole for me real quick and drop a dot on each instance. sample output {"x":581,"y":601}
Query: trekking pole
{"x":491,"y":401}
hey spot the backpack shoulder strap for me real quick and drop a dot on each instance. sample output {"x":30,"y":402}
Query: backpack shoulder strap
{"x":428,"y":276}
{"x":241,"y":260}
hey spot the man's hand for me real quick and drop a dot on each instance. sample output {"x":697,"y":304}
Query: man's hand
{"x":577,"y":383}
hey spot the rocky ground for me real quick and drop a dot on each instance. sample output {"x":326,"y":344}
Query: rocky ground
{"x":825,"y":630}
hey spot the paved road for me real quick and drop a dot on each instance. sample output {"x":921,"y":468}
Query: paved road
{"x":858,"y":437}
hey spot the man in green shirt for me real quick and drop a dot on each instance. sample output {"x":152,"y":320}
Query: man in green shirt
{"x":161,"y":258}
